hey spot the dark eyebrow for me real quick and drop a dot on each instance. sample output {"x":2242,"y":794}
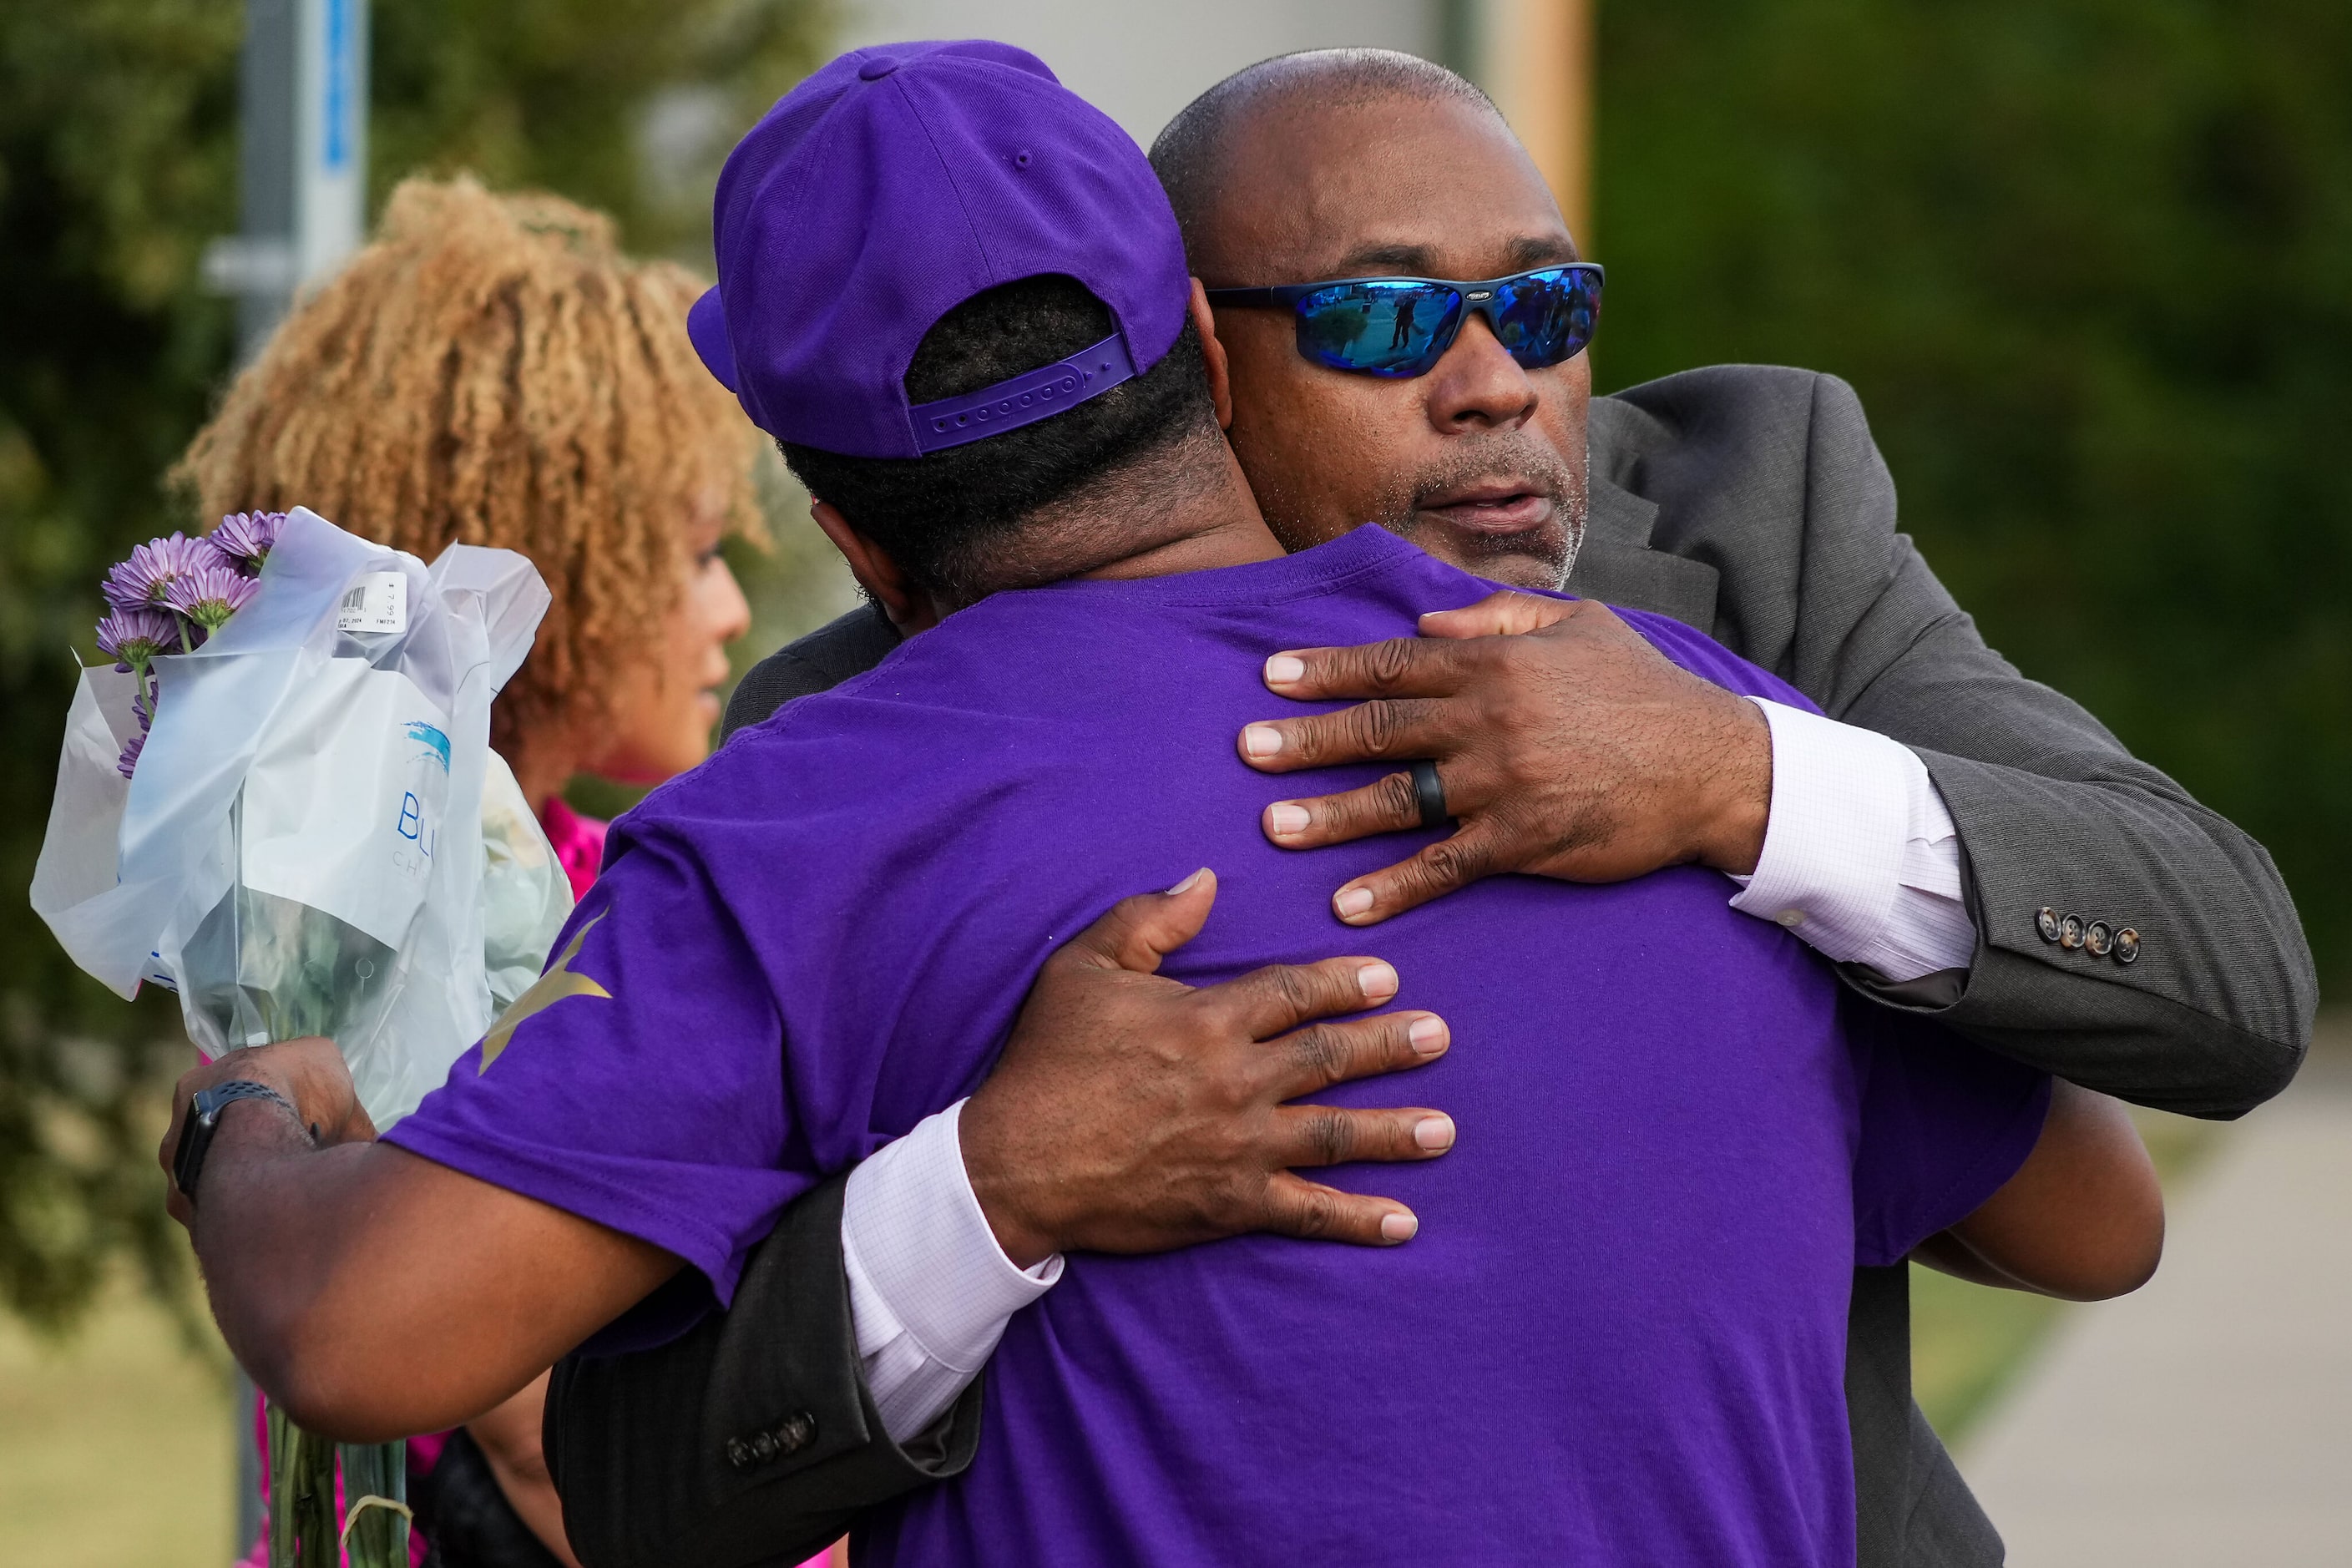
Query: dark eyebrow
{"x":1523,"y":253}
{"x":1376,"y":260}
{"x":1530,"y":251}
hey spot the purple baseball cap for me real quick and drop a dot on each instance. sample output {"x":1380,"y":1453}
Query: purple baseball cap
{"x":888,"y":189}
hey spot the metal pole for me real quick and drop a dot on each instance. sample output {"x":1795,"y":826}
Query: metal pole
{"x":302,"y":102}
{"x":301,"y":158}
{"x":243,"y":1408}
{"x":257,"y":266}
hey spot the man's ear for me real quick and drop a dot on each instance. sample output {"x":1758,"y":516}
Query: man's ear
{"x":1213,"y":356}
{"x":909,"y":607}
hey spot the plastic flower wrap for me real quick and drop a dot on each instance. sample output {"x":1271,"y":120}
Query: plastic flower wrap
{"x":256,"y":804}
{"x":280,"y":802}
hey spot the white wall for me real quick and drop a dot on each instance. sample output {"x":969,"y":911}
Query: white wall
{"x":1140,"y":63}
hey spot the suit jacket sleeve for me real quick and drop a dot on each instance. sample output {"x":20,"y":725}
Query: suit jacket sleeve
{"x":2052,"y":812}
{"x":751,"y":1441}
{"x":850,"y":645}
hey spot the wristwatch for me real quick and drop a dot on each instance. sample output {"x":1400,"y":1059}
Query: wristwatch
{"x":204,"y":1119}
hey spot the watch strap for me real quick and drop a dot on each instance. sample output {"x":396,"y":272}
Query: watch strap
{"x":204,"y":1119}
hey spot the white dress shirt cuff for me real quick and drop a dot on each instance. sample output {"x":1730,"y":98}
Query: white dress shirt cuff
{"x":1861,"y":858}
{"x":929,"y":1290}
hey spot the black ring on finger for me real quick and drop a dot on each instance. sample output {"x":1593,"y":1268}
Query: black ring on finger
{"x":1428,"y":790}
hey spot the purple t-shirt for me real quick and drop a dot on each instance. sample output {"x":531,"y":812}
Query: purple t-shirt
{"x":1620,"y":1336}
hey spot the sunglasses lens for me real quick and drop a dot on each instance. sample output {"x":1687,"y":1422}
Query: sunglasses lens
{"x":1548,"y":317}
{"x":1379,"y":327}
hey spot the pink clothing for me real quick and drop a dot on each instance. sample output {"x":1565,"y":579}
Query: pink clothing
{"x":579,"y":842}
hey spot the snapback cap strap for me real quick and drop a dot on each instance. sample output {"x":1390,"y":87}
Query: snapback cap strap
{"x":1022,"y":399}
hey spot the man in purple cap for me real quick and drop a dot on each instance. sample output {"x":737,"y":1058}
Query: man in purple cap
{"x":1624,"y":1344}
{"x":1967,"y":843}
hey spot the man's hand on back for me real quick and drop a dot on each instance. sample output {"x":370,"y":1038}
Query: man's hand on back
{"x":1568,"y":746}
{"x":1132,"y":1113}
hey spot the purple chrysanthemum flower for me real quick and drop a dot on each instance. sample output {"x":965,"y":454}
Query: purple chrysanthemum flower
{"x":147,"y":577}
{"x":130,"y":750}
{"x":210,"y":593}
{"x":246,"y":537}
{"x":132,"y":637}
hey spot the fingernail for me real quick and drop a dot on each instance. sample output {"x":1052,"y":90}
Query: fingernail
{"x":1282,"y":668}
{"x":1261,"y":739}
{"x":1399,"y":1228}
{"x":1435,"y":1134}
{"x":1286,"y":818}
{"x":1186,"y":885}
{"x":1378,"y":981}
{"x":1428,"y":1034}
{"x":1352,"y":901}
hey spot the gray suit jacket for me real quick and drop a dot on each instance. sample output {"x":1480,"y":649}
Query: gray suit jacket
{"x":1751,"y":503}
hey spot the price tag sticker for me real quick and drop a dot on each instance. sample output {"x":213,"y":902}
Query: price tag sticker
{"x":377,"y":602}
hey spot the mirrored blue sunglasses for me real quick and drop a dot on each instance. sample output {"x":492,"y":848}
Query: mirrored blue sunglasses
{"x":1403,"y":326}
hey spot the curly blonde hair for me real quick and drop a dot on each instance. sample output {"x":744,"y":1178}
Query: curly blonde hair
{"x":492,"y":370}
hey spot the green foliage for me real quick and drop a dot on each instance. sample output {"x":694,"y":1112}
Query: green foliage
{"x":2086,"y":262}
{"x":555,"y":94}
{"x":118,"y":163}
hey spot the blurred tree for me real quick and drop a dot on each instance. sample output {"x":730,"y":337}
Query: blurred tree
{"x":117,"y":164}
{"x":627,"y":105}
{"x":2086,"y":261}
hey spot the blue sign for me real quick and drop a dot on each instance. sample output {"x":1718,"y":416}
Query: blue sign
{"x":337,"y":101}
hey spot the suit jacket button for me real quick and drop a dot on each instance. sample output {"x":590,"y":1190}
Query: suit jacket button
{"x":2045,"y":921}
{"x":739,"y":1452}
{"x":798,"y":1431}
{"x":2127,"y":946}
{"x":2070,"y":932}
{"x":2100,"y":939}
{"x":764,"y":1445}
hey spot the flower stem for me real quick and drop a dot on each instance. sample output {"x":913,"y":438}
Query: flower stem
{"x":302,"y":1497}
{"x":304,"y":1529}
{"x":375,"y":1493}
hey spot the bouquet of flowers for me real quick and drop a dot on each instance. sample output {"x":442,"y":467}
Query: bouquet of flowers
{"x":259,"y":807}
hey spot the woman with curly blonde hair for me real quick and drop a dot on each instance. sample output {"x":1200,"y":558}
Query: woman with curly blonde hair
{"x":493,"y":370}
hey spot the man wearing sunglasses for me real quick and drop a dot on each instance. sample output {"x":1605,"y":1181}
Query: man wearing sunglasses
{"x":1403,"y":314}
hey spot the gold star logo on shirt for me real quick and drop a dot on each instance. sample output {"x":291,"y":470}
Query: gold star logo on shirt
{"x":550,"y":989}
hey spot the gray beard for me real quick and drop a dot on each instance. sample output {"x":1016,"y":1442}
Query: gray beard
{"x":1514,"y":452}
